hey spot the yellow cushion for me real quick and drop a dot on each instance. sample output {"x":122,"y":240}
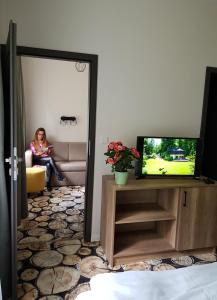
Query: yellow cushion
{"x":35,"y":179}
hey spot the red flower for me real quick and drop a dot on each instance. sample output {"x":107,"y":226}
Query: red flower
{"x":111,"y":146}
{"x":134,"y":152}
{"x":119,"y":147}
{"x":110,"y":161}
{"x":120,"y":157}
{"x":117,"y":157}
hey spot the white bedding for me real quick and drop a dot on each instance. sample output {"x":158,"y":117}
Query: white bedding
{"x":190,"y":283}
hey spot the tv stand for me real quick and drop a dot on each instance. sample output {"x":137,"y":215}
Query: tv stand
{"x":209,"y":180}
{"x":139,"y":178}
{"x":152,"y":218}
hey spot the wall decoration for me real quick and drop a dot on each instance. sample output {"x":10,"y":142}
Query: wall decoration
{"x":72,"y":120}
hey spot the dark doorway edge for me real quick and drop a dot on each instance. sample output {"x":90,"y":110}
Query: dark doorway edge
{"x":92,"y":59}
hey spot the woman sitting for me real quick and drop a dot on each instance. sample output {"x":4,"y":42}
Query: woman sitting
{"x":42,"y":155}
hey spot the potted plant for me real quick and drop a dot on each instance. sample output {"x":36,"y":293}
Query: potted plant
{"x":120,"y":158}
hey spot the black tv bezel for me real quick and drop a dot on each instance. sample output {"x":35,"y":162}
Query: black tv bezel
{"x":197,"y":169}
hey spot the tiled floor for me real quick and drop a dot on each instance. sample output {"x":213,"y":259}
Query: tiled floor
{"x":54,"y":262}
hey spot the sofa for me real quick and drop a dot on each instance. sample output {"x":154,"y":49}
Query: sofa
{"x":70,"y":158}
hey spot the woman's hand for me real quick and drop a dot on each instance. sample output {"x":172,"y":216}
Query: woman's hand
{"x":42,"y":151}
{"x":50,"y":151}
{"x":39,"y":152}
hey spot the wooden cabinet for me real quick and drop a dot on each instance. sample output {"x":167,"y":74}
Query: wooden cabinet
{"x":197,"y":223}
{"x":156,"y":217}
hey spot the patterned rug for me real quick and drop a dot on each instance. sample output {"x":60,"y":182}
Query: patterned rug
{"x":54,"y":262}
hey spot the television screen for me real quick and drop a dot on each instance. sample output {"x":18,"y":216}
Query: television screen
{"x":167,"y":156}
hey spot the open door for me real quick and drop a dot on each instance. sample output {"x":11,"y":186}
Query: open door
{"x":11,"y":159}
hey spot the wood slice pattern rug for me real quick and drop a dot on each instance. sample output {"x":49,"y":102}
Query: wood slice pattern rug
{"x":54,"y":262}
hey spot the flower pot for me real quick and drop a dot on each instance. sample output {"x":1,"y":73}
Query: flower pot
{"x":121,"y":177}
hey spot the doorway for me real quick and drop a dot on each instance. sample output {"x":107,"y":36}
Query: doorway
{"x":209,"y":125}
{"x":91,"y":61}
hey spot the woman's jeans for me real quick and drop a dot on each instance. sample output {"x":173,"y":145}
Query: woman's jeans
{"x":51,"y":169}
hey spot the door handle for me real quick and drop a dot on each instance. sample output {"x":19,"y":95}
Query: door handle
{"x":185,"y":199}
{"x":16,"y":160}
{"x":8,"y":160}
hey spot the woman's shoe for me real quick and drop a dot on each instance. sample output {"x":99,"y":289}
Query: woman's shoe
{"x":49,"y":188}
{"x":60,"y":177}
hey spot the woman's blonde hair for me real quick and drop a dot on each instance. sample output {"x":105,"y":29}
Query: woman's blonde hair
{"x":44,"y":141}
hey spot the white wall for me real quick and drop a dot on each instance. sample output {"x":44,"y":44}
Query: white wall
{"x":54,"y":88}
{"x":152,"y":60}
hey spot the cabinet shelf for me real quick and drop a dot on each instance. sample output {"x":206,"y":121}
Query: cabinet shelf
{"x":146,"y":212}
{"x":156,"y":218}
{"x":140,"y":243}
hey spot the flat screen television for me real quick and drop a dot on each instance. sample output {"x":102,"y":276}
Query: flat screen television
{"x":168,"y":156}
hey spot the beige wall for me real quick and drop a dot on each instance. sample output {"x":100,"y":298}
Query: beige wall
{"x":152,"y":60}
{"x":54,"y":88}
